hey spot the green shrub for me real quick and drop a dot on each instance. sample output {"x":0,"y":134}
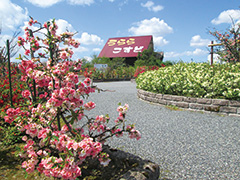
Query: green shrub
{"x":9,"y":134}
{"x":194,"y":80}
{"x":148,"y":58}
{"x":113,"y":73}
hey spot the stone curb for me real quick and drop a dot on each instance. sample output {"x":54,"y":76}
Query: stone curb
{"x":220,"y":106}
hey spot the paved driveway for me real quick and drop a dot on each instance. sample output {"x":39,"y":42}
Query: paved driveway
{"x":186,"y":145}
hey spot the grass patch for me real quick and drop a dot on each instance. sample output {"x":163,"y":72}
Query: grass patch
{"x":173,"y":108}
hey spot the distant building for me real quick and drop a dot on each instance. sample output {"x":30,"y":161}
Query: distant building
{"x":126,"y":47}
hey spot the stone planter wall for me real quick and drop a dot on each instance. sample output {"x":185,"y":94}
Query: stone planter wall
{"x":221,"y":106}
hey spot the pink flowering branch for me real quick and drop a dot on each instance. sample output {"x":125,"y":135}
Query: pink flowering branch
{"x":54,"y":93}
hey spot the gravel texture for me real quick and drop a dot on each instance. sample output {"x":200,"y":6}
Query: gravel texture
{"x":185,"y":144}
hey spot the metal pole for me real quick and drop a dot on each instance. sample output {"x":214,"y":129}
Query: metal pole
{"x":9,"y":72}
{"x":211,"y":53}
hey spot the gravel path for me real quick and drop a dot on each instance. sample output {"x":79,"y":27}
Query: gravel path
{"x":186,"y":145}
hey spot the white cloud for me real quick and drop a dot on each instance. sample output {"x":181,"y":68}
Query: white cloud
{"x":160,"y":41}
{"x":48,"y":3}
{"x":151,"y":7}
{"x":17,"y":49}
{"x":148,"y":5}
{"x":44,"y":3}
{"x":3,"y":39}
{"x":64,"y":26}
{"x":81,"y":49}
{"x":227,"y":17}
{"x":216,"y":59}
{"x":89,"y":39}
{"x":97,"y":49}
{"x":157,"y":8}
{"x":198,"y":41}
{"x":88,"y":58}
{"x":111,"y":0}
{"x":196,"y":52}
{"x":11,"y":15}
{"x":80,"y":2}
{"x":171,"y":54}
{"x":155,"y":27}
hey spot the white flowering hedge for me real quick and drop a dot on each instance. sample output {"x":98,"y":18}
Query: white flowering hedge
{"x":194,"y":80}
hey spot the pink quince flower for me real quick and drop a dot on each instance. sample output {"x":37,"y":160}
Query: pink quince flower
{"x":90,"y":105}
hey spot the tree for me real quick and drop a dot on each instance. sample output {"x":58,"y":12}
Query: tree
{"x":86,"y":64}
{"x":149,"y":58}
{"x":111,"y":62}
{"x":229,"y":49}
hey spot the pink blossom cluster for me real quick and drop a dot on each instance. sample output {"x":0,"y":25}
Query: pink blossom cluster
{"x":60,"y":69}
{"x":51,"y":27}
{"x":40,"y":77}
{"x":89,"y":106}
{"x":133,"y":133}
{"x":73,"y":153}
{"x":33,"y":42}
{"x":65,"y":96}
{"x":117,"y":132}
{"x":51,"y":148}
{"x":12,"y":114}
{"x":26,"y":93}
{"x":99,"y":124}
{"x":122,"y":110}
{"x":31,"y":22}
{"x":66,"y":53}
{"x":21,"y":41}
{"x":65,"y":166}
{"x":70,"y":41}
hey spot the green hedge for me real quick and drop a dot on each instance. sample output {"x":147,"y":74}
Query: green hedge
{"x":194,"y":80}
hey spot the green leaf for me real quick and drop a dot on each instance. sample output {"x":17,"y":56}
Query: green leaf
{"x":55,"y":138}
{"x":46,"y":139}
{"x":70,"y":152}
{"x":18,"y":118}
{"x":26,"y":174}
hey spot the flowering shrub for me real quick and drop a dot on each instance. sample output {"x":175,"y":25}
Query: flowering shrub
{"x":9,"y":133}
{"x":55,"y":100}
{"x":17,"y":87}
{"x":194,"y":80}
{"x":143,"y":69}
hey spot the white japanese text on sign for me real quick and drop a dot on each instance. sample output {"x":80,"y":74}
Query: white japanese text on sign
{"x":135,"y":49}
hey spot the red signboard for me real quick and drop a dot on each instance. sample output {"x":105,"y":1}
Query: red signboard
{"x":125,"y":46}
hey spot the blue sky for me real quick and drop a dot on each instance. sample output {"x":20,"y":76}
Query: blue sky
{"x":179,"y":27}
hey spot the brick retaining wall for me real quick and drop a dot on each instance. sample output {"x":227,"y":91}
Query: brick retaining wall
{"x":221,"y":106}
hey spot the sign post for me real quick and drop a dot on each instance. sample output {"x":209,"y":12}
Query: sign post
{"x":212,"y":45}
